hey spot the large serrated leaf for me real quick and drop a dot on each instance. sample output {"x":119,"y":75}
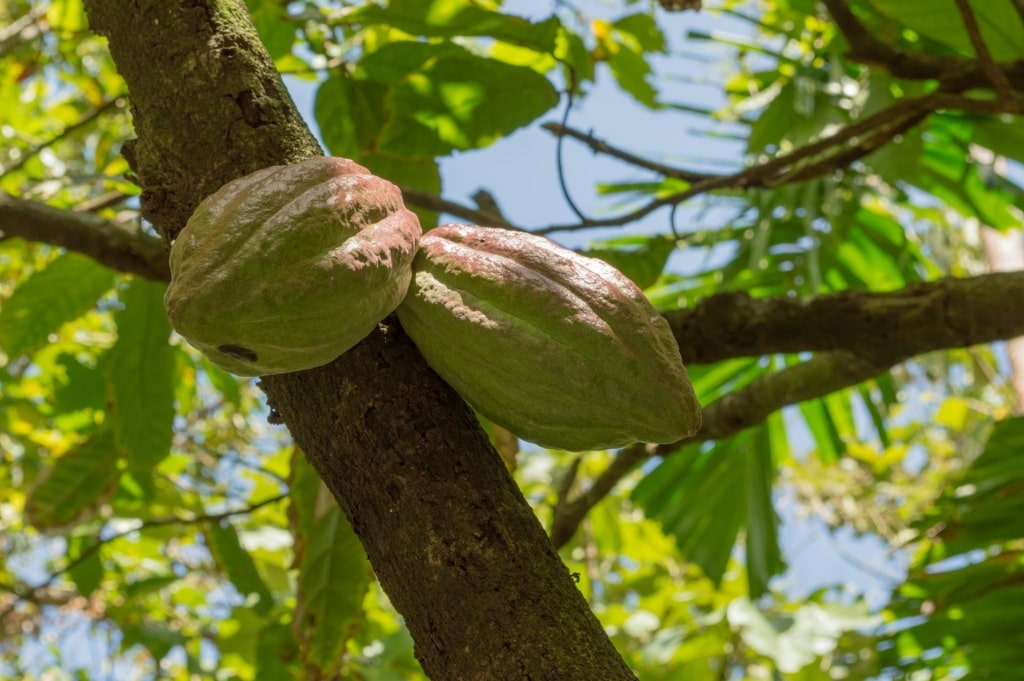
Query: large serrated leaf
{"x":74,"y":485}
{"x":48,"y":299}
{"x":238,"y":563}
{"x":140,"y":377}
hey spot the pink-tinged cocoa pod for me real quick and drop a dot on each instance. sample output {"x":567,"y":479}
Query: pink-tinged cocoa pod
{"x":560,"y":349}
{"x":287,"y":268}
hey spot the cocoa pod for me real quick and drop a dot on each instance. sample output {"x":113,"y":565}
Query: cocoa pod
{"x":562,"y":350}
{"x":287,"y":268}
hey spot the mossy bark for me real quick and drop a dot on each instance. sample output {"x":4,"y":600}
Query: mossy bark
{"x":452,"y":540}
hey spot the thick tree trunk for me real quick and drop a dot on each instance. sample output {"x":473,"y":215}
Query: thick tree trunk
{"x":449,"y":535}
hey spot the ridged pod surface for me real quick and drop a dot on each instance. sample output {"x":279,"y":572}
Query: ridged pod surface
{"x":287,"y":268}
{"x":562,"y":350}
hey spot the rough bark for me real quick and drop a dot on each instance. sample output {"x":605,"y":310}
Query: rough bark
{"x":449,"y":535}
{"x":108,"y":243}
{"x":948,"y":313}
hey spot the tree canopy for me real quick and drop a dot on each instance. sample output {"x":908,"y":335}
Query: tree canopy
{"x":822,"y":197}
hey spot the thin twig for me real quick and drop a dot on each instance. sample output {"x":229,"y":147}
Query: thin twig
{"x":88,"y":552}
{"x":560,"y":163}
{"x":430,"y":201}
{"x":80,"y":123}
{"x":158,"y":522}
{"x":24,"y":29}
{"x":100,"y":202}
{"x":602,"y":147}
{"x":880,"y":125}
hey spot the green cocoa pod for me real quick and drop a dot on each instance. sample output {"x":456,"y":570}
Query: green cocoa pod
{"x":561,"y":349}
{"x":287,"y":268}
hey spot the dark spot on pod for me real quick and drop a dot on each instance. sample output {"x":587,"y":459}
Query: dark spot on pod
{"x":238,"y":352}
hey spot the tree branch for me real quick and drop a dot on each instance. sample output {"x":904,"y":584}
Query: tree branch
{"x":876,"y":331}
{"x":451,"y":539}
{"x":923,"y":317}
{"x":107,"y":242}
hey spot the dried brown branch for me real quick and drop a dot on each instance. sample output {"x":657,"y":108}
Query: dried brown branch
{"x":107,"y":242}
{"x":853,"y":142}
{"x":602,"y":147}
{"x":421,"y":199}
{"x":830,"y":153}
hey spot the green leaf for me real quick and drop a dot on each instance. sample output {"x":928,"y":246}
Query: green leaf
{"x":67,"y":16}
{"x":351,"y":114}
{"x":693,"y":495}
{"x":793,"y":641}
{"x":156,"y":637}
{"x":140,"y":376}
{"x":276,"y":30}
{"x":71,"y":489}
{"x":964,"y":599}
{"x":1003,"y":136}
{"x":393,"y":61}
{"x":334,"y":572}
{"x":642,"y":259}
{"x":46,"y":300}
{"x":276,"y":648}
{"x":87,"y":573}
{"x":642,"y":30}
{"x":819,"y":422}
{"x":764,"y":560}
{"x":238,"y":563}
{"x":631,"y":70}
{"x":461,"y":101}
{"x":1000,"y":24}
{"x":84,"y":386}
{"x":451,"y":18}
{"x":572,"y":51}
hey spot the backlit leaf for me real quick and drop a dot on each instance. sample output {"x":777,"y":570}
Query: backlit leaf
{"x":49,"y":298}
{"x":140,"y":376}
